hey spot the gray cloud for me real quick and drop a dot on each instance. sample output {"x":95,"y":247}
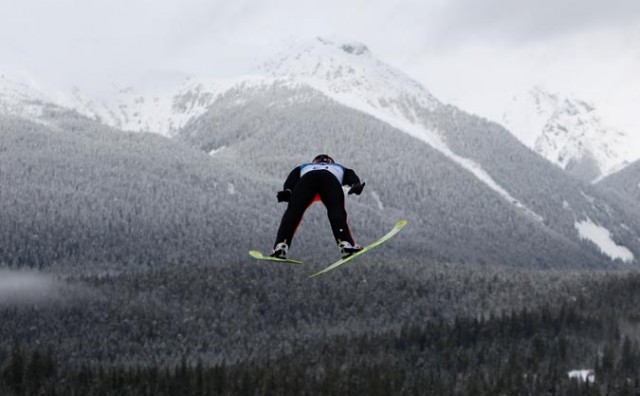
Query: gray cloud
{"x":520,"y":21}
{"x":90,"y":36}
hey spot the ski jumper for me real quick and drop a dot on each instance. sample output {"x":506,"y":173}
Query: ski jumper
{"x":312,"y":182}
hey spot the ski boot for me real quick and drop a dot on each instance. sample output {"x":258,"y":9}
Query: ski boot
{"x":348,"y":249}
{"x":280,"y":251}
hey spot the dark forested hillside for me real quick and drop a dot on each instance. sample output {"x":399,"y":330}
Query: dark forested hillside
{"x":526,"y":350}
{"x":235,"y":311}
{"x":81,"y":194}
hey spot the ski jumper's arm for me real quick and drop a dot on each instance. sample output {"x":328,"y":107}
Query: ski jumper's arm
{"x":350,"y":178}
{"x":289,"y":185}
{"x":292,"y":179}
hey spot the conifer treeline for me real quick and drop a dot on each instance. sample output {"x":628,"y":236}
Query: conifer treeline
{"x":521,"y":353}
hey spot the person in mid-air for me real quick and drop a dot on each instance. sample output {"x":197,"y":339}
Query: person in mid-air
{"x":321,"y":180}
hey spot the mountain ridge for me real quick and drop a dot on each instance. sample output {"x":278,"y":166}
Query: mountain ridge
{"x":569,"y":132}
{"x":625,"y":182}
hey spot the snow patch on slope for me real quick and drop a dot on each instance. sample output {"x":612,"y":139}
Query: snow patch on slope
{"x":217,"y":150}
{"x":583,"y":375}
{"x":601,"y":237}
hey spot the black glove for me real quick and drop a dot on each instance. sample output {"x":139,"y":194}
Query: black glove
{"x":284,"y":196}
{"x":356,"y":188}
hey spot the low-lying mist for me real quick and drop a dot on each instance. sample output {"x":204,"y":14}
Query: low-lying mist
{"x":18,"y":287}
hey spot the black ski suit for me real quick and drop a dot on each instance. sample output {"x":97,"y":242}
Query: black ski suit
{"x":310,"y":182}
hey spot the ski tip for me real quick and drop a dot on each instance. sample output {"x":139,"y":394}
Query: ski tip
{"x":401,"y":223}
{"x":255,"y":254}
{"x":324,"y":271}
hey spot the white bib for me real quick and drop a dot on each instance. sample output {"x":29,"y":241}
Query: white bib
{"x":336,"y":170}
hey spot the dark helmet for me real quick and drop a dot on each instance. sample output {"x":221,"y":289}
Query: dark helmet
{"x":323,"y":158}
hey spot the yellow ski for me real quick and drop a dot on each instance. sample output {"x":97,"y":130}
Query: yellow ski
{"x":258,"y":255}
{"x":396,"y":229}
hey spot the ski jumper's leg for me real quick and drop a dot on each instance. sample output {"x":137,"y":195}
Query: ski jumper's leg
{"x":302,"y":197}
{"x":332,"y":197}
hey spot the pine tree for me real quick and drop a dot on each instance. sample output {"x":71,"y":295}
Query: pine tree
{"x":35,"y":375}
{"x":14,"y":373}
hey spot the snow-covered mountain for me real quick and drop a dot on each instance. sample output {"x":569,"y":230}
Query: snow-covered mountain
{"x":157,"y":103}
{"x":350,"y":74}
{"x":569,"y":132}
{"x":473,"y":192}
{"x":347,"y":73}
{"x":161,"y":106}
{"x":333,"y":97}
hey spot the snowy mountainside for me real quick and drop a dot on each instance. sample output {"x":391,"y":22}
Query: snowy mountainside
{"x":350,"y":74}
{"x":346,"y":72}
{"x":160,"y":105}
{"x":163,"y":109}
{"x":22,"y":100}
{"x":454,"y":214}
{"x":307,"y":80}
{"x":569,"y":132}
{"x":474,"y":191}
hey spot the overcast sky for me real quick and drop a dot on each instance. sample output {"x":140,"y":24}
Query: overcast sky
{"x":472,"y":53}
